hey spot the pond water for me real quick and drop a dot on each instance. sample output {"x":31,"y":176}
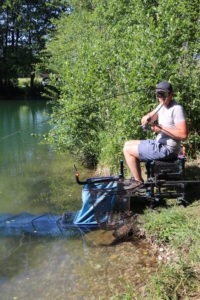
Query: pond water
{"x":34,"y":179}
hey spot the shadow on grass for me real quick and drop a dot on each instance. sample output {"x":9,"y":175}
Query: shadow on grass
{"x":25,"y":92}
{"x":193,"y":172}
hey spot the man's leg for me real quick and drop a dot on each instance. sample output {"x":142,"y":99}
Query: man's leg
{"x":132,"y":158}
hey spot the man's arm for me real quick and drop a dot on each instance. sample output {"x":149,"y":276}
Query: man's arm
{"x":180,"y":132}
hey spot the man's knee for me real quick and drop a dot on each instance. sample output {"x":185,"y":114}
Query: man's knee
{"x":131,"y":148}
{"x":127,"y":146}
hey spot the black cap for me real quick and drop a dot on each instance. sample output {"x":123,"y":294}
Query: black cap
{"x":164,"y":86}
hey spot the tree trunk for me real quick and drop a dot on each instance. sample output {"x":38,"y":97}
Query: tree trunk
{"x":32,"y":80}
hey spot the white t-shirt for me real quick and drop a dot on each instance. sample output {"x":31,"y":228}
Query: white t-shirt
{"x":168,"y":117}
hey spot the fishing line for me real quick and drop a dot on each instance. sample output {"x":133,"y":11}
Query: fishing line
{"x":36,"y":124}
{"x":9,"y":135}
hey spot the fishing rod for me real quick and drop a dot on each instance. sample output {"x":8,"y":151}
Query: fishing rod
{"x":147,"y":125}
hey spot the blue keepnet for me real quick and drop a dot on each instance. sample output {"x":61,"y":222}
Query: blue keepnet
{"x":98,"y":201}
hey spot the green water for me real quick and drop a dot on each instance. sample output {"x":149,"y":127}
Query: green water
{"x":36,"y":180}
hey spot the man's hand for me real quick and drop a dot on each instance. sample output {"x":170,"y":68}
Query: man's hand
{"x":180,"y":132}
{"x":149,"y":118}
{"x":146,"y":119}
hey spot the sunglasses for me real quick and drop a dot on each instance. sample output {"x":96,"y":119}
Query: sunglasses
{"x":162,"y":95}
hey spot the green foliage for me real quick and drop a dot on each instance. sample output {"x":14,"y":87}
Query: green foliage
{"x":109,"y":48}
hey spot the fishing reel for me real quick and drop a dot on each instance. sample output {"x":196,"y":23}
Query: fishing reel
{"x":146,"y":127}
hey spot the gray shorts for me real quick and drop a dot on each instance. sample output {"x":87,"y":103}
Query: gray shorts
{"x":151,"y":149}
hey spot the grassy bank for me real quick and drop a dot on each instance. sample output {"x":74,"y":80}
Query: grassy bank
{"x":174,"y":232}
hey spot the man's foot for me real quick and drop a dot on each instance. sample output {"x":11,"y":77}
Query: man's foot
{"x":133,"y":185}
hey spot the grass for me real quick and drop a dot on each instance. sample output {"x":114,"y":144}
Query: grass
{"x":25,"y":82}
{"x":175,"y":281}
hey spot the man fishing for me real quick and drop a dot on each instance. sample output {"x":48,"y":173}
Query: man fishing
{"x":171,"y":129}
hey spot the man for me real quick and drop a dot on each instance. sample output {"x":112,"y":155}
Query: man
{"x":171,"y":129}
